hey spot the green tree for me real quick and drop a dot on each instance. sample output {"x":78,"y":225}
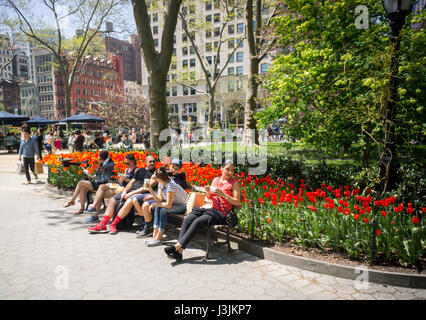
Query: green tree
{"x":332,"y":80}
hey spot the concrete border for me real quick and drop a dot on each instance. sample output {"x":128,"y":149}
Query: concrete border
{"x":382,"y":277}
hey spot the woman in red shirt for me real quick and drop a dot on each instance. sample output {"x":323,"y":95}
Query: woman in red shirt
{"x":224,"y":194}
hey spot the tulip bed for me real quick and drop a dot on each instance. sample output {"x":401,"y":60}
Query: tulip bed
{"x":273,"y":209}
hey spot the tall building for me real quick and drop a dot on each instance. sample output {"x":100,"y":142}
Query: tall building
{"x":186,"y":79}
{"x":9,"y":95}
{"x":29,"y":98}
{"x":131,"y":52}
{"x":6,"y":56}
{"x":44,"y":77}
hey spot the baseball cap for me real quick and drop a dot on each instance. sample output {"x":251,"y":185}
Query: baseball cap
{"x":177,"y":162}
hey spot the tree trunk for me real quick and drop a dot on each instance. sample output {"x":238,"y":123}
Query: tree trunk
{"x":211,"y":110}
{"x":251,"y":105}
{"x":158,"y":108}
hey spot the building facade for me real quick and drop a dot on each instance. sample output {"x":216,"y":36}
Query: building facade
{"x":186,"y":88}
{"x":131,"y":52}
{"x":29,"y":98}
{"x":9,"y":96}
{"x":6,"y":56}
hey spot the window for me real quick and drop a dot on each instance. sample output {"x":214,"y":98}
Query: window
{"x":231,"y":29}
{"x":156,"y":42}
{"x":241,"y":43}
{"x":240,"y":56}
{"x":231,"y":71}
{"x":240,"y":27}
{"x":155,"y":17}
{"x":264,"y":67}
{"x":155,"y":30}
{"x":231,"y":86}
{"x":174,"y":39}
{"x":191,"y":50}
{"x":185,"y":90}
{"x":231,"y":59}
{"x":167,"y":92}
{"x":174,"y":91}
{"x":184,"y":63}
{"x":216,"y":17}
{"x":209,"y":18}
{"x":240,"y":70}
{"x":231,"y":44}
{"x":184,"y":51}
{"x":209,"y":59}
{"x":184,"y":38}
{"x":192,"y":89}
{"x":192,"y":62}
{"x":217,"y":32}
{"x":208,"y":33}
{"x":209,"y":47}
{"x":208,"y":5}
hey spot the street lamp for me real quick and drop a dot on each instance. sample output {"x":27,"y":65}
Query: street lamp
{"x":397,"y":11}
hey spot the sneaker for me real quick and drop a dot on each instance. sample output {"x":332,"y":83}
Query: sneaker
{"x":92,"y":219}
{"x":175,"y":255}
{"x":28,"y":182}
{"x":35,"y":177}
{"x":98,"y":228}
{"x":90,"y":210}
{"x":145,"y":232}
{"x":113,"y":229}
{"x":152,"y":243}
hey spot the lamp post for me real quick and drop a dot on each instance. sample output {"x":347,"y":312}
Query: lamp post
{"x":397,"y":11}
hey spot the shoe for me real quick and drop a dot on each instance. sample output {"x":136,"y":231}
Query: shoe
{"x":92,"y":219}
{"x":35,"y":177}
{"x":175,"y":255}
{"x":152,"y":243}
{"x":113,"y":229}
{"x":170,"y":250}
{"x":90,"y":210}
{"x":28,"y":182}
{"x":98,"y":228}
{"x":145,"y":232}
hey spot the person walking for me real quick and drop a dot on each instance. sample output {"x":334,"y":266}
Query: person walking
{"x":28,"y":149}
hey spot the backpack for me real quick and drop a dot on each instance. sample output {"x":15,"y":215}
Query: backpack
{"x":127,"y":223}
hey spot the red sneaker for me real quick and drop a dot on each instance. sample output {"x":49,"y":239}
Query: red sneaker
{"x":98,"y":228}
{"x":113,"y":229}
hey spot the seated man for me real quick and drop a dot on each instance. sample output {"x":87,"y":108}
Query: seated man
{"x":105,"y":191}
{"x":125,"y":142}
{"x":133,"y":188}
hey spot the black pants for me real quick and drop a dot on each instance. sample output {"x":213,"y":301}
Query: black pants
{"x":197,"y":221}
{"x":28,"y":162}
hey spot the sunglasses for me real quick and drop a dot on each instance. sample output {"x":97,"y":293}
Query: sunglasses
{"x":126,"y":163}
{"x":151,"y":161}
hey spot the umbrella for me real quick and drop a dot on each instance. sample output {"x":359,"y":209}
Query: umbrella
{"x":10,"y":118}
{"x":83,"y":118}
{"x":40,"y":121}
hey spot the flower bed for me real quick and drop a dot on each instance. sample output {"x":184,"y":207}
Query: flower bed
{"x":273,"y":209}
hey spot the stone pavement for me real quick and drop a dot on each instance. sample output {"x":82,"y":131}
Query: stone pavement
{"x":47,"y":253}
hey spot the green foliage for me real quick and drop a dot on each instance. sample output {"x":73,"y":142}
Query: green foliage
{"x":331,"y":83}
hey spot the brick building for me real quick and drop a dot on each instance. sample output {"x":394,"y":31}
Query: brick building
{"x":131,"y":52}
{"x":9,"y":96}
{"x":97,"y":76}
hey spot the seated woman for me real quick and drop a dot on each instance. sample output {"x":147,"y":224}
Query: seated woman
{"x":103,"y":175}
{"x":224,"y":193}
{"x":171,"y":198}
{"x":105,"y":191}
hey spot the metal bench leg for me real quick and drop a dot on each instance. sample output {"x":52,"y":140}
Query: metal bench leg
{"x":228,"y":240}
{"x":208,"y":243}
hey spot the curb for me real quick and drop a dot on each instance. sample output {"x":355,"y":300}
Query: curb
{"x":414,"y":281}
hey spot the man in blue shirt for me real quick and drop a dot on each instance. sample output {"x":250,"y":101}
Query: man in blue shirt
{"x":29,"y":149}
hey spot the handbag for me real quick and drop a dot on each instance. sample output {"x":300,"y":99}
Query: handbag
{"x":38,"y":168}
{"x":20,"y":167}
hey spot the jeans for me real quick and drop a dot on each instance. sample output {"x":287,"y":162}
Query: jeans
{"x":28,"y":162}
{"x":161,"y":215}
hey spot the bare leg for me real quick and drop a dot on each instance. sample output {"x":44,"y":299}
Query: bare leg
{"x":111,"y":207}
{"x":137,"y":207}
{"x":124,"y":211}
{"x":147,"y":212}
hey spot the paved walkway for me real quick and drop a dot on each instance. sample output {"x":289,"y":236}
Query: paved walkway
{"x":47,"y":253}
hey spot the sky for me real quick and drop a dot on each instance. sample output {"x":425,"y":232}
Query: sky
{"x":40,"y":10}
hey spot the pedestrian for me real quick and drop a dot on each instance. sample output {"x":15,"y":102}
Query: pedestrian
{"x":28,"y":149}
{"x":40,"y":139}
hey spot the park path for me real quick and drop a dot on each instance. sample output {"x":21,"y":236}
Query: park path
{"x":47,"y":253}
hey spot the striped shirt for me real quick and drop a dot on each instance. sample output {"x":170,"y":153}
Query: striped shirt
{"x":180,"y":195}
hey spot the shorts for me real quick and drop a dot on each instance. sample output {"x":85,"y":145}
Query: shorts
{"x":141,"y":197}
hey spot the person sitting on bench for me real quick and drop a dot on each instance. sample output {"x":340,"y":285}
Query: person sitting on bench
{"x":171,"y":198}
{"x":133,"y":188}
{"x":102,"y":176}
{"x":224,"y":193}
{"x":106,"y":191}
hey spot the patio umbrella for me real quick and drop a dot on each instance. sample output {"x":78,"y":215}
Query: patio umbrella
{"x":83,"y":118}
{"x":13,"y":119}
{"x":40,"y":121}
